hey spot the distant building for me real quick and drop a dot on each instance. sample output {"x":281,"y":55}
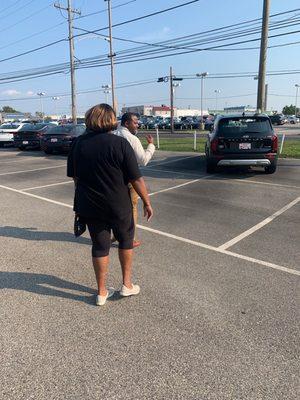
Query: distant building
{"x":7,"y":117}
{"x":163,"y":111}
{"x":239,"y":109}
{"x":140,"y":110}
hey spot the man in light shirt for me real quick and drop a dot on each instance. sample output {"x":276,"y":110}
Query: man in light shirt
{"x":128,"y":130}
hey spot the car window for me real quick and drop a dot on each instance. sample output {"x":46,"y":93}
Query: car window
{"x":9,"y":126}
{"x":231,"y":127}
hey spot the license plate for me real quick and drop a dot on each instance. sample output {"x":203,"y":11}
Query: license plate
{"x":53,"y":140}
{"x":244,"y":146}
{"x":25,"y":141}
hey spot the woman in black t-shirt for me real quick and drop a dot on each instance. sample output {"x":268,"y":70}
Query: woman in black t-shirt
{"x":102,"y":164}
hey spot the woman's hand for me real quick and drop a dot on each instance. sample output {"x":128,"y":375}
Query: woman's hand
{"x":148,"y":211}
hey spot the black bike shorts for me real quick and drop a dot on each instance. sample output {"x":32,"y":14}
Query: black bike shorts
{"x":100,"y":232}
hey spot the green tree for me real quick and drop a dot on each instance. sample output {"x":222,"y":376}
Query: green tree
{"x":8,"y":109}
{"x":289,"y":110}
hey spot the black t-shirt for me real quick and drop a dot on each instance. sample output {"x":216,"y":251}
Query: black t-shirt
{"x":104,"y":165}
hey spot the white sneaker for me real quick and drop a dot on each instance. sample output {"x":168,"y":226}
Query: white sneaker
{"x":125,"y":291}
{"x":101,"y":300}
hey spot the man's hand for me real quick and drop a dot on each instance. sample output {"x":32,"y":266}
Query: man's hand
{"x":148,"y":212}
{"x":150,"y":139}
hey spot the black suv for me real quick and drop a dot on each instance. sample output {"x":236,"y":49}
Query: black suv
{"x":278,"y":119}
{"x":242,"y":140}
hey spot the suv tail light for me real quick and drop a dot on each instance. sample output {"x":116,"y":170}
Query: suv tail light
{"x":274,"y":143}
{"x":214,"y":145}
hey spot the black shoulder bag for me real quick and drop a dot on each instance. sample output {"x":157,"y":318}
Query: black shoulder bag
{"x":79,"y":222}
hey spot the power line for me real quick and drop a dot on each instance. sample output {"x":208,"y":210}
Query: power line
{"x":83,"y":34}
{"x":26,"y":18}
{"x":12,"y":5}
{"x":13,"y":12}
{"x":103,"y":11}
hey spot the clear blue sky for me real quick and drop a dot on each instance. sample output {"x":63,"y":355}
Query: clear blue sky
{"x":40,"y":15}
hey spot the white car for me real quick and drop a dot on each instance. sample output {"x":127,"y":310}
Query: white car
{"x":7,"y":131}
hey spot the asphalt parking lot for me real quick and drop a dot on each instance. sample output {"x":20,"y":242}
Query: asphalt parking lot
{"x":219,"y":267}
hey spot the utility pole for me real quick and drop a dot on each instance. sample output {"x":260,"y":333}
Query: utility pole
{"x":263,"y":57}
{"x":171,"y":100}
{"x":71,"y":12}
{"x":111,"y":56}
{"x":296,"y":99}
{"x":41,"y":94}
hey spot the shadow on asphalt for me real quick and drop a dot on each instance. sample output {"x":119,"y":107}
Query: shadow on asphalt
{"x":46,"y":285}
{"x":34,"y":235}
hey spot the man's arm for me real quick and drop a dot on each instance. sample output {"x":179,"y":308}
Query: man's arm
{"x":143,"y":156}
{"x":140,"y":187}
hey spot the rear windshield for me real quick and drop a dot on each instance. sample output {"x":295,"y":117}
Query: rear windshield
{"x":32,"y":127}
{"x":61,"y":129}
{"x":235,"y":127}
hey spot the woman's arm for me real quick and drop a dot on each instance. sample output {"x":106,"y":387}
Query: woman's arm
{"x":140,"y":187}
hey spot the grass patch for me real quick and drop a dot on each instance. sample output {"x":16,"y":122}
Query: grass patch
{"x":178,"y":144}
{"x":291,"y":148}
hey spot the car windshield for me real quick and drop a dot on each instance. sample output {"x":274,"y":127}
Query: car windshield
{"x":235,"y":127}
{"x":32,"y":127}
{"x":9,"y":126}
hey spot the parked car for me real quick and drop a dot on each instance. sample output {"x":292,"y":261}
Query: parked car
{"x":30,"y":135}
{"x":7,"y":131}
{"x":240,"y":140}
{"x":278,"y":119}
{"x":292,"y":119}
{"x":60,"y":138}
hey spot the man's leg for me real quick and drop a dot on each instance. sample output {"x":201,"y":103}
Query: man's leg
{"x":101,"y":267}
{"x":125,"y":257}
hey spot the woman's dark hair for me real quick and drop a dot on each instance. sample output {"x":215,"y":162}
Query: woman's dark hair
{"x":127,"y":117}
{"x":101,"y":118}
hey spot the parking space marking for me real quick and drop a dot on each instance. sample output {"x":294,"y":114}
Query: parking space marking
{"x":258,"y":226}
{"x":262,"y":183}
{"x":172,"y":161}
{"x":179,"y":238}
{"x":44,"y":186}
{"x":177,"y":186}
{"x":218,"y":250}
{"x":32,"y":170}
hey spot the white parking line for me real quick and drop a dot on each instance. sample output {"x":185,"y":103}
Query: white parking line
{"x":218,"y":250}
{"x":44,"y":186}
{"x":258,"y":226}
{"x":172,"y":161}
{"x":177,"y":186}
{"x":181,"y":239}
{"x":32,"y":170}
{"x":261,"y":183}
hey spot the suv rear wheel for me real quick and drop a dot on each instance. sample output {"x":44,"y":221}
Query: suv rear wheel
{"x":271,"y":168}
{"x":210,"y":166}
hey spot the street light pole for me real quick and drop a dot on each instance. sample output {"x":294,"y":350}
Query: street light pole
{"x":172,"y":100}
{"x":217,"y":91}
{"x":41,"y":94}
{"x":296,"y":99}
{"x":202,"y":76}
{"x":263,"y":57}
{"x":111,"y":56}
{"x":55,"y":98}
